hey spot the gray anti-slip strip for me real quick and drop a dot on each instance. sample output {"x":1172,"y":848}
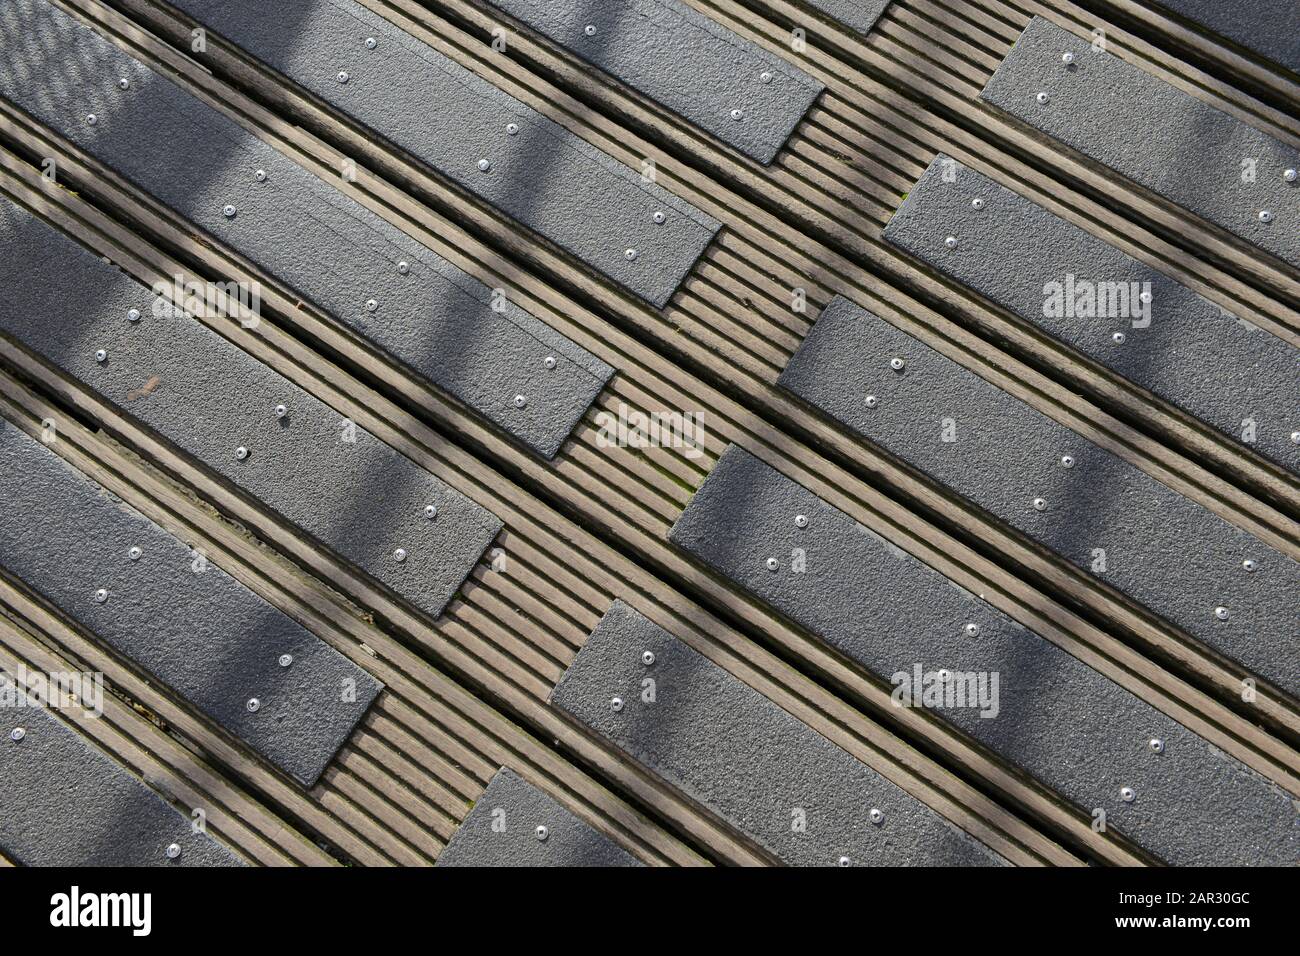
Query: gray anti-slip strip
{"x":258,"y":674}
{"x":683,"y":60}
{"x":1035,"y":706}
{"x":1217,"y":582}
{"x":764,"y":771}
{"x":243,"y":420}
{"x":1270,"y":28}
{"x":384,"y":286}
{"x":64,"y":802}
{"x":515,"y":824}
{"x":1137,"y":322}
{"x":631,"y":230}
{"x":859,"y":15}
{"x":1170,"y":142}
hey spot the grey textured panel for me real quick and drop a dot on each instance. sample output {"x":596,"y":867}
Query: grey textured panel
{"x":1055,"y":718}
{"x":189,"y":624}
{"x":502,"y":830}
{"x":1231,"y":375}
{"x":64,"y":802}
{"x":1161,"y":549}
{"x":1269,"y":27}
{"x":545,"y":177}
{"x":684,"y":61}
{"x":211,"y":398}
{"x":334,"y":252}
{"x":753,"y":764}
{"x":861,"y":15}
{"x":1160,"y":137}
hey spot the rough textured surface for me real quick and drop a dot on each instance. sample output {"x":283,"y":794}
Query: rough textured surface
{"x":208,"y":397}
{"x":1156,"y":135}
{"x":1057,"y":719}
{"x":1161,"y":549}
{"x":861,"y":15}
{"x":759,"y":768}
{"x":63,"y":802}
{"x":684,"y":61}
{"x":193,"y":627}
{"x":545,"y":177}
{"x":435,"y":318}
{"x":1225,"y":372}
{"x":501,"y":830}
{"x":1269,"y":27}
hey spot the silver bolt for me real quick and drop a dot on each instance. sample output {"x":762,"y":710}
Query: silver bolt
{"x":173,"y":851}
{"x":1144,"y":298}
{"x":1290,"y":175}
{"x":1119,"y":338}
{"x":371,"y":305}
{"x":876,"y":816}
{"x":1250,"y":564}
{"x":431,"y":511}
{"x":92,"y":119}
{"x":101,"y":596}
{"x":590,"y":29}
{"x":228,"y":211}
{"x":772,"y":564}
{"x":521,"y":401}
{"x":1157,"y":745}
{"x":124,"y":83}
{"x":659,"y":217}
{"x":399,"y":555}
{"x":1127,"y":795}
{"x":1221,"y":613}
{"x":343,"y":76}
{"x":549,"y":361}
{"x":872,"y":401}
{"x":484,"y":165}
{"x":371,"y":43}
{"x":1040,"y":504}
{"x":253,"y":705}
{"x":1295,"y":438}
{"x":896,"y":364}
{"x":972,"y":630}
{"x":629,"y":254}
{"x":737,"y":115}
{"x":765,"y":77}
{"x":647,"y":658}
{"x":101,"y":356}
{"x":281,"y":411}
{"x":951,"y":242}
{"x":403,"y":267}
{"x":1067,"y":58}
{"x":286,"y":660}
{"x":1067,"y":461}
{"x":134,"y":554}
{"x":17,"y":734}
{"x":845,"y":861}
{"x":133,"y":315}
{"x":1042,"y":97}
{"x":1265,"y":215}
{"x":801,"y":521}
{"x":512,"y":128}
{"x":977,"y":203}
{"x":241,"y":452}
{"x":542,"y":833}
{"x":260,"y":175}
{"x":616,"y":704}
{"x":943,"y":676}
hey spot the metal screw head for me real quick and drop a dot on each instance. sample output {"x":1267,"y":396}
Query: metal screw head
{"x":344,"y":76}
{"x":260,"y":175}
{"x":1221,"y":613}
{"x":371,"y":305}
{"x":521,"y":401}
{"x":92,"y":119}
{"x":1119,"y":338}
{"x":1067,"y":461}
{"x":590,"y":29}
{"x":431,"y":511}
{"x":1290,"y":175}
{"x":253,"y":705}
{"x":1265,"y":215}
{"x":371,"y":43}
{"x":801,"y":521}
{"x":281,"y":411}
{"x":1250,"y":564}
{"x":549,"y":361}
{"x":228,"y":211}
{"x":101,"y":356}
{"x":1127,"y":795}
{"x":951,"y":242}
{"x":1295,"y":438}
{"x":124,"y":84}
{"x":659,"y":217}
{"x":101,"y":596}
{"x":512,"y":128}
{"x":977,"y":203}
{"x":542,"y":833}
{"x":1157,"y":745}
{"x":877,"y":817}
{"x":616,"y":704}
{"x":629,"y":254}
{"x":765,"y":77}
{"x":241,"y":452}
{"x":737,"y":115}
{"x":133,"y":315}
{"x":845,"y":861}
{"x":1067,"y":57}
{"x":286,"y":660}
{"x":403,"y":267}
{"x":1040,"y":504}
{"x":17,"y":734}
{"x":484,"y":165}
{"x":173,"y":851}
{"x":134,"y":553}
{"x":972,"y":630}
{"x":872,"y":401}
{"x":896,"y":364}
{"x":1042,"y":97}
{"x":399,"y":555}
{"x":647,"y":658}
{"x":1144,"y":298}
{"x":772,"y":564}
